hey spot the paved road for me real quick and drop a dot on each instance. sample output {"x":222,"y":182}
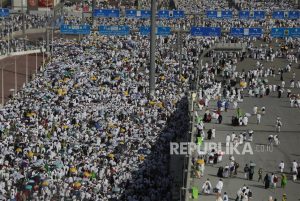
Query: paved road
{"x":287,"y":151}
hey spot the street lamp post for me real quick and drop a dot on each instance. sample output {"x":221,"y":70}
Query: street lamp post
{"x":36,"y":60}
{"x":93,"y":8}
{"x":36,"y":63}
{"x":2,"y":87}
{"x":8,"y":41}
{"x":52,"y":41}
{"x":16,"y":88}
{"x":26,"y":68}
{"x":23,"y":25}
{"x":152,"y":49}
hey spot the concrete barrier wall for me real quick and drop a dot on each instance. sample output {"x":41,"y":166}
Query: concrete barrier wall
{"x":23,"y":53}
{"x":29,"y":31}
{"x":188,"y":159}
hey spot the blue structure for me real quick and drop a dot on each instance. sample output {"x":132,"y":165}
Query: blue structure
{"x":170,"y":14}
{"x":257,"y":14}
{"x":178,"y":14}
{"x":144,"y":14}
{"x":206,"y":31}
{"x":253,"y":32}
{"x":212,"y":14}
{"x":106,"y":13}
{"x":75,"y":29}
{"x":285,"y":32}
{"x":226,"y":14}
{"x":294,"y":14}
{"x":244,"y":14}
{"x":4,"y":12}
{"x":237,"y":32}
{"x":279,"y":15}
{"x":294,"y":32}
{"x":215,"y":14}
{"x":249,"y":32}
{"x":160,"y":31}
{"x":114,"y":30}
{"x":277,"y":32}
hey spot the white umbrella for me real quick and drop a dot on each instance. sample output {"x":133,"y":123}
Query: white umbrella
{"x":201,"y":152}
{"x":17,"y":175}
{"x":38,"y":163}
{"x":247,"y":114}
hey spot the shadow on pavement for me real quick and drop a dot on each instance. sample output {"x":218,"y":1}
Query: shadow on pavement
{"x":257,"y":186}
{"x":153,"y":180}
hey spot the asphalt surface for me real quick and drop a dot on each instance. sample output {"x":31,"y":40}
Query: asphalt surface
{"x":288,"y":150}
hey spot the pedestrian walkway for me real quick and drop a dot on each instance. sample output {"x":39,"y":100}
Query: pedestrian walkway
{"x":266,"y":159}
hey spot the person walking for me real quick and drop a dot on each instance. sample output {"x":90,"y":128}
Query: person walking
{"x":226,"y":106}
{"x":255,"y":109}
{"x":209,"y":134}
{"x":281,"y":166}
{"x":219,"y":198}
{"x":213,"y":133}
{"x":271,"y":181}
{"x":260,"y":172}
{"x":225,"y":197}
{"x":220,"y":118}
{"x":295,"y":173}
{"x":294,"y":166}
{"x":246,"y":171}
{"x":276,"y":140}
{"x":278,"y":124}
{"x":280,"y":93}
{"x":283,"y":181}
{"x":284,"y":198}
{"x":219,"y":187}
{"x":251,"y":170}
{"x":206,"y":188}
{"x":236,"y":166}
{"x":267,"y":181}
{"x":227,"y":140}
{"x":258,"y":118}
{"x":275,"y":180}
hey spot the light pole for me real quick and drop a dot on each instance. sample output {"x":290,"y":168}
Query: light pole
{"x":43,"y":53}
{"x":47,"y":8}
{"x":36,"y":63}
{"x":16,"y":88}
{"x":23,"y":25}
{"x":82,"y":12}
{"x":8,"y":45}
{"x":93,"y":8}
{"x":26,"y":68}
{"x":53,"y":21}
{"x":8,"y":40}
{"x":152,"y":49}
{"x":52,"y":41}
{"x":179,"y":47}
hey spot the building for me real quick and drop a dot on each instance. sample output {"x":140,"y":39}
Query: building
{"x":37,"y":4}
